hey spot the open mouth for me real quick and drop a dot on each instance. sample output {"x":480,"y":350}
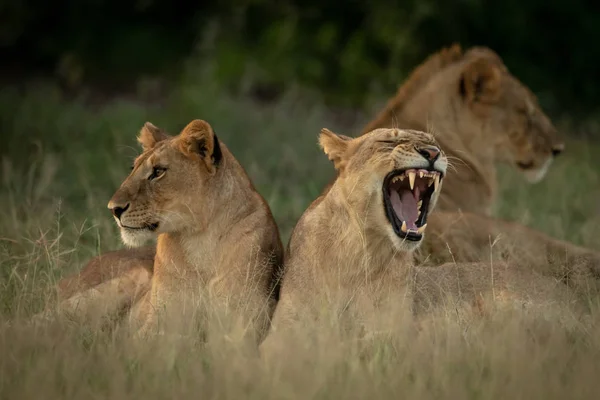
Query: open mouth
{"x":406,"y":198}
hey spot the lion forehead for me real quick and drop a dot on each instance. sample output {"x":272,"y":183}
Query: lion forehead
{"x":401,"y":137}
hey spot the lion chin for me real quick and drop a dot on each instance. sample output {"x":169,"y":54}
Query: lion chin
{"x":136,"y":238}
{"x":536,"y":175}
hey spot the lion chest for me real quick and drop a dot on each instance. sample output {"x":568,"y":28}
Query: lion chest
{"x":186,"y":262}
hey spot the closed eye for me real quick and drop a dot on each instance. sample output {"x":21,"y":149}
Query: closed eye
{"x":394,"y":142}
{"x":389,"y":145}
{"x":157,"y":172}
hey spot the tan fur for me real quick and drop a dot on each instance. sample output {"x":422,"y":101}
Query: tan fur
{"x":343,"y":250}
{"x":343,"y":253}
{"x":481,"y":115}
{"x":468,"y":237}
{"x":216,"y":235}
{"x":117,"y":263}
{"x":486,"y":286}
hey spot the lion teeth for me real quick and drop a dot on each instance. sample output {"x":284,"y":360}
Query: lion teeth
{"x":421,"y":173}
{"x":403,"y":226}
{"x":420,"y":203}
{"x":421,"y":229}
{"x":398,"y":178}
{"x":436,"y":182}
{"x":411,"y":177}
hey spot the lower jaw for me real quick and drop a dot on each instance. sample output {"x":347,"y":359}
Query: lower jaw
{"x":410,"y":236}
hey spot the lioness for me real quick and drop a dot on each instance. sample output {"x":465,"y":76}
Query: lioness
{"x":353,"y":246}
{"x":215,"y":233}
{"x":481,"y":115}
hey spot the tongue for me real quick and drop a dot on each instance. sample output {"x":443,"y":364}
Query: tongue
{"x":405,"y":207}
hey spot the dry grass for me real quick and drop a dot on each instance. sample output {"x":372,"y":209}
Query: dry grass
{"x":507,"y":354}
{"x":62,"y":161}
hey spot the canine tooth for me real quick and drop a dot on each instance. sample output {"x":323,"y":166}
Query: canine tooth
{"x":403,"y":226}
{"x":436,"y":182}
{"x":422,"y":228}
{"x":411,"y":177}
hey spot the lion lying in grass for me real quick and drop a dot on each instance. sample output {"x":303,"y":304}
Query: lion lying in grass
{"x":353,"y":246}
{"x":216,"y":234}
{"x":481,"y":115}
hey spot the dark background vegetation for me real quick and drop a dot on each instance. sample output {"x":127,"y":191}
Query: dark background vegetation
{"x":343,"y":49}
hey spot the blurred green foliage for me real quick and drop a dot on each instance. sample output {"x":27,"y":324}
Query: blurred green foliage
{"x":344,"y":48}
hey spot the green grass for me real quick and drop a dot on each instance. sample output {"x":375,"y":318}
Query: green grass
{"x":63,"y":159}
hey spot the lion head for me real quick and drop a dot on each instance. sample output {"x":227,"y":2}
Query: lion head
{"x":166,"y":189}
{"x":484,"y":112}
{"x":390,"y":180}
{"x":508,"y":114}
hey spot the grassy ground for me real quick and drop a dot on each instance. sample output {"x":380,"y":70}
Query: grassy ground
{"x":61,"y":162}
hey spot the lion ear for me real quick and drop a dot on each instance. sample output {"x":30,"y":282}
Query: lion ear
{"x":150,"y":135}
{"x":198,"y":139}
{"x":335,"y":146}
{"x":481,"y":81}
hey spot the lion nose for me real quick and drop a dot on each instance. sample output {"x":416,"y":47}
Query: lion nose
{"x":557,"y":149}
{"x":430,"y":153}
{"x":118,"y":210}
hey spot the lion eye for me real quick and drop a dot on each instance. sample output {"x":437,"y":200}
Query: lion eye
{"x":157,"y":172}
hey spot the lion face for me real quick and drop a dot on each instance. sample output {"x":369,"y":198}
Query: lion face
{"x":509,"y":115}
{"x":531,"y":142}
{"x":166,"y":189}
{"x":392,"y":179}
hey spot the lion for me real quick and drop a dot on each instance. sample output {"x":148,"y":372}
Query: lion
{"x":469,"y":100}
{"x":353,"y":247}
{"x":483,"y":115}
{"x":215,"y":233}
